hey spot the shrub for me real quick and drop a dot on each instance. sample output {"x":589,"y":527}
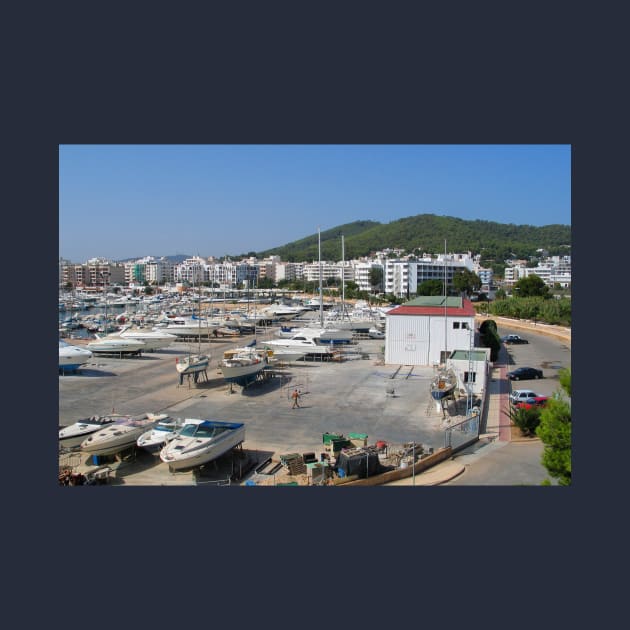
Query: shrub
{"x":527,"y":420}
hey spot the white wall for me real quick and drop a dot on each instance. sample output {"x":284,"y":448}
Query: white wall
{"x":419,"y":339}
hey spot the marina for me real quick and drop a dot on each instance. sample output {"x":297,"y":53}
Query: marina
{"x":349,"y":392}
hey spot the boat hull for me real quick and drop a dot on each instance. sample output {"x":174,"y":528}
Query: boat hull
{"x":443,"y":385}
{"x":190,"y":452}
{"x":71,"y":358}
{"x":242,"y":375}
{"x":119,"y":435}
{"x":192,"y":364}
{"x":151,"y":342}
{"x":118,"y":346}
{"x":438,"y":394}
{"x":74,"y":434}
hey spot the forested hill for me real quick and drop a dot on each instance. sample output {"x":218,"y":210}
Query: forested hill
{"x":425,"y":233}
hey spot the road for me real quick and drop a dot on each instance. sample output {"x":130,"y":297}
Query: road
{"x":517,"y":463}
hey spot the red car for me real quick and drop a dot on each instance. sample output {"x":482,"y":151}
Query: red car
{"x":528,"y":403}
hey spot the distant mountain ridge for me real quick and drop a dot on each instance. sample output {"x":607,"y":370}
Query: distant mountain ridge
{"x":426,"y":233}
{"x":422,"y":233}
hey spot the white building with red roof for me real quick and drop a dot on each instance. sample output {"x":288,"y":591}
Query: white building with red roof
{"x":426,"y":330}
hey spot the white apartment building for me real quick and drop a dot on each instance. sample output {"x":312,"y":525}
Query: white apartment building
{"x":149,"y":269}
{"x":554,"y":270}
{"x":329,"y":270}
{"x":362,"y":273}
{"x":404,"y":276}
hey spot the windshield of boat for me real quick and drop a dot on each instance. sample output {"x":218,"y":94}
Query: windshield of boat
{"x":201,"y":430}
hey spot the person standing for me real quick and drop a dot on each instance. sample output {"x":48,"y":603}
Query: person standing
{"x":296,"y":396}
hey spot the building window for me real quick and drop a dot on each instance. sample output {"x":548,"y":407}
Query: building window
{"x":455,"y":325}
{"x":470,"y":377}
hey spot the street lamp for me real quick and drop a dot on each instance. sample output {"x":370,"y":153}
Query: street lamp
{"x":413,"y":463}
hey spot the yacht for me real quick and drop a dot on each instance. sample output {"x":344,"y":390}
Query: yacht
{"x":189,"y":326}
{"x":152,"y":339}
{"x":72,"y":357}
{"x":121,"y":434}
{"x":334,"y":336}
{"x":201,"y":441}
{"x":154,"y":439}
{"x":74,"y":434}
{"x":115,"y":344}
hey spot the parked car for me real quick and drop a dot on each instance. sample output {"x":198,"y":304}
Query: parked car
{"x":521,"y":395}
{"x":513,"y":339}
{"x":522,"y":373}
{"x":535,"y":401}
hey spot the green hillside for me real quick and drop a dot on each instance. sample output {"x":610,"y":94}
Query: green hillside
{"x":425,"y":233}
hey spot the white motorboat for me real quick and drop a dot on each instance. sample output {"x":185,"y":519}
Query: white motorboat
{"x":152,"y":339}
{"x":72,"y":357}
{"x":201,"y":441}
{"x":121,"y":434}
{"x":74,"y":434}
{"x":301,"y":342}
{"x":282,"y":312}
{"x":334,"y":336}
{"x":192,"y":326}
{"x":114,"y":344}
{"x":161,"y":434}
{"x":278,"y":355}
{"x":242,"y":365}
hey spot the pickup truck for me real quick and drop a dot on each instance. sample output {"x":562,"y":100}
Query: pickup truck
{"x":513,"y":339}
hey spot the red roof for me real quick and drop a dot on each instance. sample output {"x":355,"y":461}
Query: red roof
{"x":467,"y":310}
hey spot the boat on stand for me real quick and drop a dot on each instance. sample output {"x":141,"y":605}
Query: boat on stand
{"x":73,"y":434}
{"x":71,"y":358}
{"x":201,"y":441}
{"x":445,"y":381}
{"x":193,"y":364}
{"x":121,"y":434}
{"x":243,"y":365}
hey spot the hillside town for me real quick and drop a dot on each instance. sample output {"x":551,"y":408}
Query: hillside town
{"x":400,"y":274}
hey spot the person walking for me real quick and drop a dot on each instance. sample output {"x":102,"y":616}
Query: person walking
{"x":296,"y":396}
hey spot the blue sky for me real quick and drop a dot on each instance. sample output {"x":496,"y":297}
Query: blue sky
{"x":123,"y":201}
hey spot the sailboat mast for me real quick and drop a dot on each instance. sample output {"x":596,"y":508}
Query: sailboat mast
{"x":445,"y":299}
{"x":343,"y":280}
{"x":321,"y":295}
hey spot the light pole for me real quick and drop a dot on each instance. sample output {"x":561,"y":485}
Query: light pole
{"x":413,"y":463}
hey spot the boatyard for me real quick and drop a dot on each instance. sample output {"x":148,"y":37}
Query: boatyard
{"x":350,"y":394}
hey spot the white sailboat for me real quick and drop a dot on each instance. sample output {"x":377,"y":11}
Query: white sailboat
{"x":243,"y":365}
{"x":445,"y":380}
{"x":193,"y":363}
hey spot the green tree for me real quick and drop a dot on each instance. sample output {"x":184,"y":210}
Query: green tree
{"x":531,"y":286}
{"x":489,"y":337}
{"x":376,"y":279}
{"x":555,"y":432}
{"x":431,"y":287}
{"x":265,"y":283}
{"x":466,"y":281}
